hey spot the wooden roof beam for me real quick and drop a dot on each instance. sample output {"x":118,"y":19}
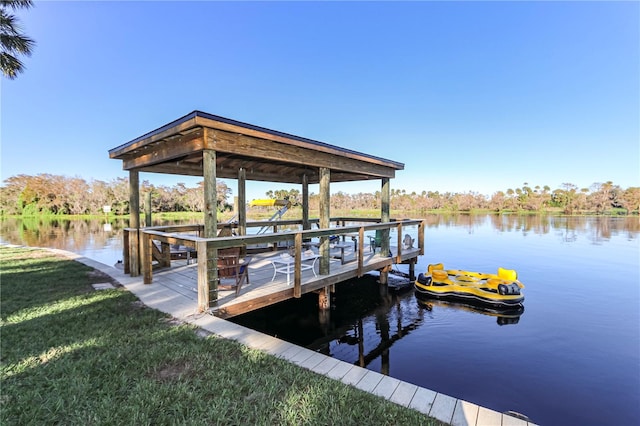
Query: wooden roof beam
{"x":161,"y":153}
{"x":266,"y":150}
{"x":162,"y":133}
{"x":232,"y":126}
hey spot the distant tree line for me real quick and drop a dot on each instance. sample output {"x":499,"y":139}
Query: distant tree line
{"x":600,"y":198}
{"x":53,"y":194}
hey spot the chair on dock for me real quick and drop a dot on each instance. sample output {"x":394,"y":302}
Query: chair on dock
{"x":407,"y":242}
{"x":376,"y":241}
{"x":231,"y":266}
{"x":176,"y":252}
{"x":183,"y":252}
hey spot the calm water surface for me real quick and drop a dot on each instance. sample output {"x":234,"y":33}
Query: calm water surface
{"x":571,"y":357}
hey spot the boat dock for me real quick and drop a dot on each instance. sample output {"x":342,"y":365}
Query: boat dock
{"x":214,"y":147}
{"x":291,"y":263}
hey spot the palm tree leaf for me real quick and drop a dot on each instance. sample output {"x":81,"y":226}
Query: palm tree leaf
{"x":16,"y":4}
{"x":10,"y":65}
{"x":12,"y":41}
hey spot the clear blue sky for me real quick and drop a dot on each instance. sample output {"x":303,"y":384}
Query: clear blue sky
{"x":470,"y":96}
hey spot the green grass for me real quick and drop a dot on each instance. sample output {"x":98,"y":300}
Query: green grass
{"x":75,"y":356}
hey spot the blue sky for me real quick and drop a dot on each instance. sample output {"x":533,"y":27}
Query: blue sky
{"x":470,"y":96}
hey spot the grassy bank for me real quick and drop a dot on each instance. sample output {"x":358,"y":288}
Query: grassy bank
{"x":295,"y":213}
{"x":73,"y":355}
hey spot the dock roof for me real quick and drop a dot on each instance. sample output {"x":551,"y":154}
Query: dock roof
{"x":265,"y":154}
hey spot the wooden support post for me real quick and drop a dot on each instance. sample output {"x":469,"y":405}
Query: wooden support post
{"x":274,"y":246}
{"x":209,"y":261}
{"x":421,"y":228}
{"x":384,"y":276}
{"x":241,"y":206}
{"x":412,"y":269}
{"x":147,"y":210}
{"x":125,"y":252}
{"x":325,"y":217}
{"x":210,"y":193}
{"x":166,"y":254}
{"x":134,"y":222}
{"x":385,"y":214}
{"x":360,"y":250}
{"x":305,"y":202}
{"x":399,"y":241}
{"x":297,"y":274}
{"x":214,"y":277}
{"x":147,"y":257}
{"x":203,"y":277}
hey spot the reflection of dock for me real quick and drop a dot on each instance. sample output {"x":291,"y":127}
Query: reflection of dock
{"x":396,"y":318}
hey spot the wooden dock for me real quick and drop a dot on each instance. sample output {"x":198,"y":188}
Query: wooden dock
{"x":265,"y":288}
{"x":214,"y":147}
{"x":351,"y":244}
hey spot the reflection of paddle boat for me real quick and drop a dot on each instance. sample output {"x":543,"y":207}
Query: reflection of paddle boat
{"x":503,"y":316}
{"x":498,"y":291}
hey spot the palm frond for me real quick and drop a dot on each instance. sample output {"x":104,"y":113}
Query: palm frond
{"x":10,"y":65}
{"x":12,"y":40}
{"x":16,"y":44}
{"x":16,"y":4}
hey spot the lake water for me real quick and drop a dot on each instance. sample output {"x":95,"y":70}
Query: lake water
{"x":571,"y":357}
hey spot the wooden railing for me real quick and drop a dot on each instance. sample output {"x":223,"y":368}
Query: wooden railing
{"x":207,"y":248}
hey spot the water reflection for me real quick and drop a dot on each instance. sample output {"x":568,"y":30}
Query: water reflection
{"x":370,"y":338}
{"x":97,"y":238}
{"x":365,"y":322}
{"x":79,"y":234}
{"x":505,"y":317}
{"x":598,"y":228}
{"x":76,"y":235}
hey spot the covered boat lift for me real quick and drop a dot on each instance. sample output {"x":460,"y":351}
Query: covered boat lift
{"x":214,"y":147}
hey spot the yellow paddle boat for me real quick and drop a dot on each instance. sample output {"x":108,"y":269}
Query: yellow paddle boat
{"x":498,"y":291}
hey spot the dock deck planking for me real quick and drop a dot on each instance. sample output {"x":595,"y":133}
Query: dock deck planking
{"x":262,"y":291}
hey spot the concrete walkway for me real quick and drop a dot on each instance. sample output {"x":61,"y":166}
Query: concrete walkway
{"x":440,"y":406}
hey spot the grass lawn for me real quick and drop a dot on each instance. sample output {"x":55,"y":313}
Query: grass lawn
{"x":76,"y":356}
